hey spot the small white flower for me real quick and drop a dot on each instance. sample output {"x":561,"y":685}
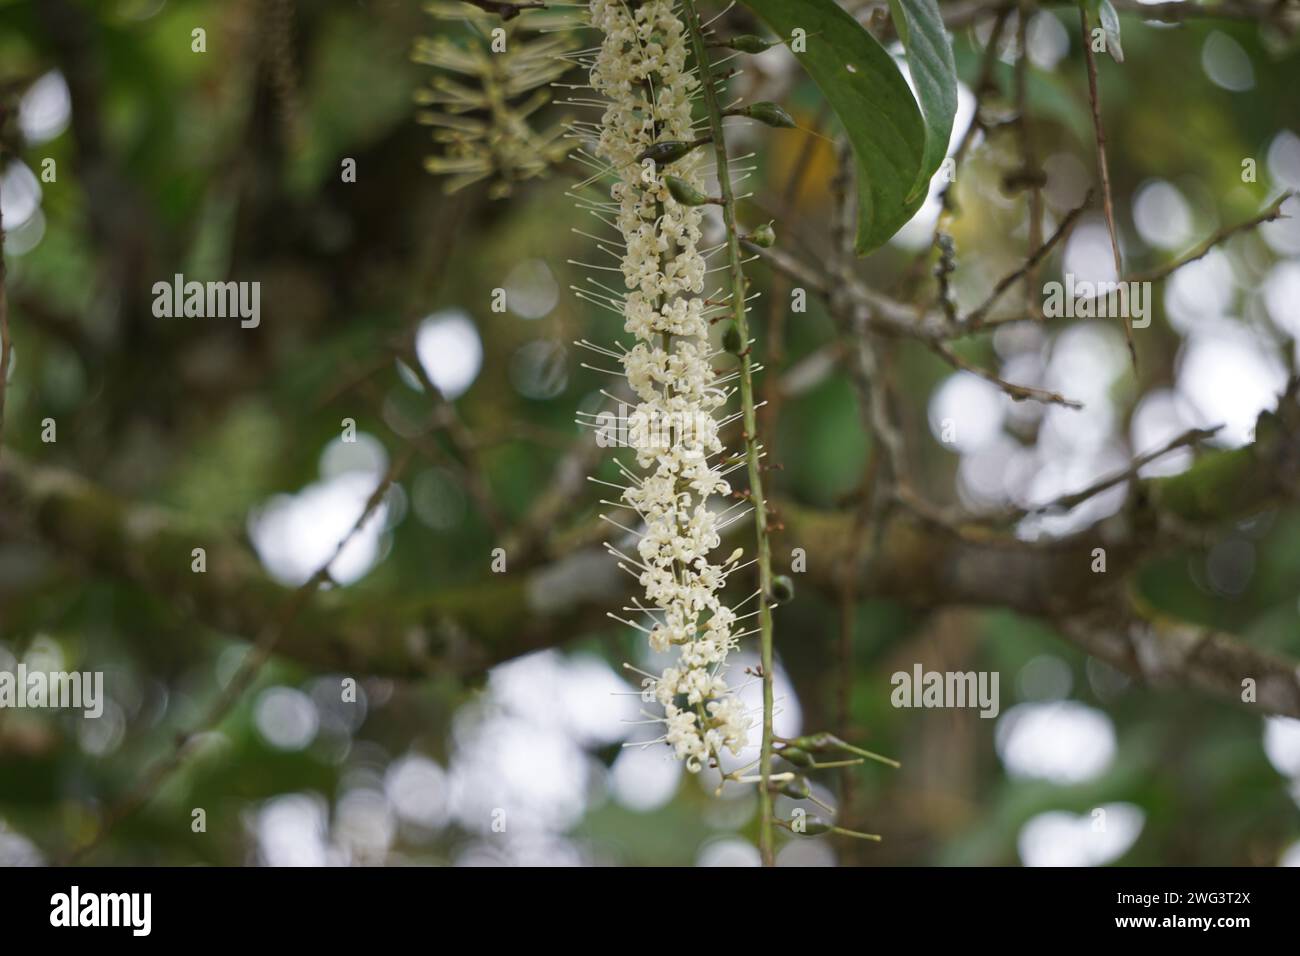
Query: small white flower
{"x":641,"y":69}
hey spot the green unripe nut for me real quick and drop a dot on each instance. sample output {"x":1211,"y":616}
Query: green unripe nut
{"x":782,"y":589}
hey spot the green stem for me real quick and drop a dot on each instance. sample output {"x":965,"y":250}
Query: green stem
{"x":870,"y":756}
{"x":875,"y":837}
{"x":765,"y":834}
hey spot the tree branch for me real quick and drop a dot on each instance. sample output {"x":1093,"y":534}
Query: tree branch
{"x":890,"y":316}
{"x":462,"y":630}
{"x":152,"y":779}
{"x":1164,"y":653}
{"x":459,"y":631}
{"x":5,"y":349}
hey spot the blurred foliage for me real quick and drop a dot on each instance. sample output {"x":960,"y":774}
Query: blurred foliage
{"x":217,"y":166}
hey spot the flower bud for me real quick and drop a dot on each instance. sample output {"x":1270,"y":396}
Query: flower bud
{"x":749,"y":43}
{"x":731,"y":340}
{"x":685,"y":193}
{"x":813,"y":826}
{"x":796,"y":756}
{"x":797,"y":788}
{"x":816,"y":743}
{"x":764,"y":236}
{"x":769,"y":114}
{"x":669,"y":151}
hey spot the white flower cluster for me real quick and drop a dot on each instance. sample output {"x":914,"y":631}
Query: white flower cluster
{"x":642,"y":70}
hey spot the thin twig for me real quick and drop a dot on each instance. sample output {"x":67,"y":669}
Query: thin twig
{"x":895,"y":317}
{"x":153,"y":779}
{"x":1068,"y":502}
{"x":1103,"y":171}
{"x":1274,"y":211}
{"x":977,"y":318}
{"x":1019,"y":393}
{"x":443,"y":418}
{"x":983,"y":85}
{"x":947,"y":204}
{"x":778,"y":306}
{"x":5,"y":348}
{"x":461,"y":440}
{"x":567,"y":480}
{"x":1029,"y":157}
{"x":887,"y":465}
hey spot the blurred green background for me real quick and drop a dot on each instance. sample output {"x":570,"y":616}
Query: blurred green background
{"x":228,"y":164}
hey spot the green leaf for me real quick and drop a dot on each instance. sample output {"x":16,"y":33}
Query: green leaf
{"x":898,"y":145}
{"x":929,"y":58}
{"x":1103,"y":12}
{"x":1110,"y":23}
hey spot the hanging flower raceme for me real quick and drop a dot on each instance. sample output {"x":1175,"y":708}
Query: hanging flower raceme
{"x":641,"y":69}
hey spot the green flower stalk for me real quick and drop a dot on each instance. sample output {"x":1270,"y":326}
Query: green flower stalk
{"x":650,"y":141}
{"x":753,"y":449}
{"x":645,"y":141}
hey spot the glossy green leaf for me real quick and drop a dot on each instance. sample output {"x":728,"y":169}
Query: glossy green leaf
{"x":897,"y":143}
{"x":934,"y":74}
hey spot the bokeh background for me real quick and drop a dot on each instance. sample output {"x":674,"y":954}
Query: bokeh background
{"x":227,"y":164}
